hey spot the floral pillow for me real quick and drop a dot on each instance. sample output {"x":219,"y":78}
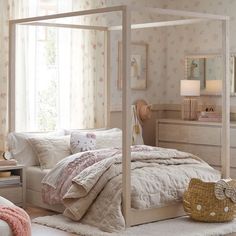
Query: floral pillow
{"x":81,"y":142}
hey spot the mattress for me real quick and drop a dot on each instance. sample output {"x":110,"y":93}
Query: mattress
{"x":34,"y":177}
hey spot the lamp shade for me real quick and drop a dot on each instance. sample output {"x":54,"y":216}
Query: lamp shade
{"x":190,"y":88}
{"x":214,"y":86}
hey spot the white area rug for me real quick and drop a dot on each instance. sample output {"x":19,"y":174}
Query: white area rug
{"x":182,"y":226}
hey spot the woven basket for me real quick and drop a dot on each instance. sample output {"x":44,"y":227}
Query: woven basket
{"x":200,"y":203}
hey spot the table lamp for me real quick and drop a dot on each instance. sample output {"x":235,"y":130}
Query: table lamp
{"x":214,"y":87}
{"x":189,"y":89}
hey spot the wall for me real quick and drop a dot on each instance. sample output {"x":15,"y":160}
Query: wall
{"x":155,"y":38}
{"x":171,"y":45}
{"x":198,"y":38}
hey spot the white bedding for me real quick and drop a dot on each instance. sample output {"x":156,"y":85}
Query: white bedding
{"x":34,"y":177}
{"x":159,"y":178}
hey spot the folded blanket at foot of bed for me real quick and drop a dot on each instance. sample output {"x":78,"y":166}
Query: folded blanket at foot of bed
{"x":90,"y":183}
{"x":17,"y":219}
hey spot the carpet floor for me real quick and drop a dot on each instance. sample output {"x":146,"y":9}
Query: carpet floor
{"x":181,"y":226}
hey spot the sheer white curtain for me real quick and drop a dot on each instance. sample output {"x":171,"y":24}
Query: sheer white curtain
{"x":10,"y":9}
{"x":88,"y":85}
{"x":60,"y":74}
{"x":88,"y":70}
{"x":4,"y":17}
{"x":25,"y":67}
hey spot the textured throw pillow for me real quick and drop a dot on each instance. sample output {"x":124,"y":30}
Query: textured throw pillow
{"x":50,"y":150}
{"x":95,"y":140}
{"x":20,"y":148}
{"x":81,"y":142}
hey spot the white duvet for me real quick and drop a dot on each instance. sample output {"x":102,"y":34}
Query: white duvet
{"x":158,"y":178}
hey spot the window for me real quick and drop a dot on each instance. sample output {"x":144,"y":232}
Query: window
{"x":59,"y":81}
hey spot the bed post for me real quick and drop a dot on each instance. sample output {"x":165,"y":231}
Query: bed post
{"x":225,"y":134}
{"x":126,"y":114}
{"x":11,"y":76}
{"x":107,"y":77}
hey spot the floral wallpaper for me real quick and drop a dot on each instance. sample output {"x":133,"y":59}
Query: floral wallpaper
{"x":198,"y":38}
{"x":155,"y":38}
{"x":169,"y":46}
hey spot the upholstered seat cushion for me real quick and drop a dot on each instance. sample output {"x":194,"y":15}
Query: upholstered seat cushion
{"x":4,"y":228}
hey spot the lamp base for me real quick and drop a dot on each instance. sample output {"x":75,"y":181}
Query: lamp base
{"x":189,"y":109}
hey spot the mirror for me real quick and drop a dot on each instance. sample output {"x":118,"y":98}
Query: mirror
{"x":209,"y":70}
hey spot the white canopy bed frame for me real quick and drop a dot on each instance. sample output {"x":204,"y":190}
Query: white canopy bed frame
{"x":133,"y":216}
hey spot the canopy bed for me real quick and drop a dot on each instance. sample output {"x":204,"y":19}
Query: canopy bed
{"x":134,"y":216}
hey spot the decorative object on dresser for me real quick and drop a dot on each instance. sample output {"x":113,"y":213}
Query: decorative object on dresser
{"x":202,"y":139}
{"x":210,"y":201}
{"x":214,"y":87}
{"x":210,"y":116}
{"x":12,"y":184}
{"x":189,"y":89}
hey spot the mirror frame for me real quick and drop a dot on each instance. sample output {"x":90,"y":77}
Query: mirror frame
{"x":208,"y":55}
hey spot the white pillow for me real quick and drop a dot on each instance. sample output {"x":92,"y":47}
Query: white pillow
{"x":109,"y":139}
{"x":51,"y":150}
{"x":20,"y":148}
{"x":104,"y":139}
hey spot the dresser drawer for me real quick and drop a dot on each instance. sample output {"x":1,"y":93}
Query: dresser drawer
{"x":190,"y":134}
{"x":204,"y":135}
{"x":173,"y":132}
{"x":13,"y":194}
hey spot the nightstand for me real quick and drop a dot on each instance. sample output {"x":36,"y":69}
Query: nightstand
{"x":14,"y":192}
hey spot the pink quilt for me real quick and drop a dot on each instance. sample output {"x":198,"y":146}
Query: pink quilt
{"x":90,"y":183}
{"x":17,"y":219}
{"x":54,"y":194}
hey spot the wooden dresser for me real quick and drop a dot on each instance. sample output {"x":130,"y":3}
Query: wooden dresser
{"x":200,"y":138}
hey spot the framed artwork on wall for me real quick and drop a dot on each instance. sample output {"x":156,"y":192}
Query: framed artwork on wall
{"x":139,"y":66}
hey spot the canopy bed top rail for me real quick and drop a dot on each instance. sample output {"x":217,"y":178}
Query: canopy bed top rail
{"x":180,"y":13}
{"x":118,"y":27}
{"x":70,"y":26}
{"x":68,"y":14}
{"x":161,"y":11}
{"x":160,"y":24}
